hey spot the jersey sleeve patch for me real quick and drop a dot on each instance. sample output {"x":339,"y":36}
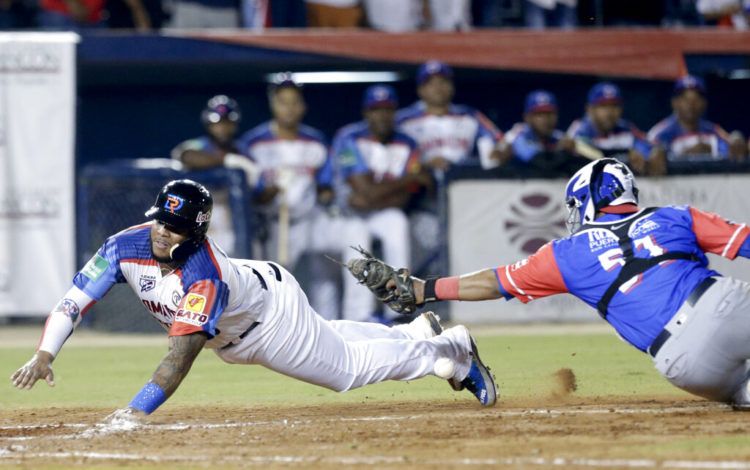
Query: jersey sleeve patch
{"x":200,"y":309}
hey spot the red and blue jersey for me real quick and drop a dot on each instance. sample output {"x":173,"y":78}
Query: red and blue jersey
{"x":586,"y":263}
{"x":208,"y":293}
{"x":616,"y":143}
{"x":677,"y":141}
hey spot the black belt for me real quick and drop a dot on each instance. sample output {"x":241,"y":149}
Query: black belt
{"x":692,"y":299}
{"x":242,"y":336}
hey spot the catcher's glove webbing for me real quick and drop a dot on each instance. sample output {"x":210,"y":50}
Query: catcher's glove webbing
{"x":376,"y":275}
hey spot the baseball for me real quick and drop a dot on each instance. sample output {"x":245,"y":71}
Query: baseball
{"x":444,"y":368}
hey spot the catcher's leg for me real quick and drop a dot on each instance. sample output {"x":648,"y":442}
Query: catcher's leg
{"x":297,"y":342}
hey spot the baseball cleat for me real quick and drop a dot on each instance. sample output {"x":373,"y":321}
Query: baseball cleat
{"x":479,"y":381}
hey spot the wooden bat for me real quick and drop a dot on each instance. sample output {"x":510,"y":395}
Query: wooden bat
{"x":283,"y":239}
{"x":587,"y":151}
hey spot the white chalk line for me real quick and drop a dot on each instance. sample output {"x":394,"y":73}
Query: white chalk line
{"x":18,"y":454}
{"x":488,"y":413}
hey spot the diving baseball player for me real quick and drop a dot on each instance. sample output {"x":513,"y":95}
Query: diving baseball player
{"x":246,"y":311}
{"x":645,"y":271}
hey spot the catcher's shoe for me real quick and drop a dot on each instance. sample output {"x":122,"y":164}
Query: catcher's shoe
{"x":479,"y":381}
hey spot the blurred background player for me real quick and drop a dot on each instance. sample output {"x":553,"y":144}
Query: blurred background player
{"x":604,"y":127}
{"x":334,"y":13}
{"x":536,"y":144}
{"x":296,"y":184}
{"x":218,"y":147}
{"x":382,"y":171}
{"x":686,"y":136}
{"x":447,"y":133}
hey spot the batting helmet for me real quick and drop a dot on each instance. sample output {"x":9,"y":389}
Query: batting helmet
{"x":221,"y":107}
{"x":601,"y":183}
{"x":185,"y":206}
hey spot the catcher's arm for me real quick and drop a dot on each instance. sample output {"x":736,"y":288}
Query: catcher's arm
{"x":480,"y":285}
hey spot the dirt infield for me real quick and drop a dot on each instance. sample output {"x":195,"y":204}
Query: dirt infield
{"x":562,"y":433}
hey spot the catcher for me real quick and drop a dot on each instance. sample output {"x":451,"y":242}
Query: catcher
{"x":643,"y":269}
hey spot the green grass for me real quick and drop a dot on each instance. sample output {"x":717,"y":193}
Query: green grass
{"x":523,"y":365}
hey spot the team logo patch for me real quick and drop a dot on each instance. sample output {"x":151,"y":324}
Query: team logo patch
{"x":195,"y":303}
{"x":174,"y":203}
{"x":176,"y":297}
{"x":69,"y":308}
{"x":95,"y":267}
{"x":147,"y":283}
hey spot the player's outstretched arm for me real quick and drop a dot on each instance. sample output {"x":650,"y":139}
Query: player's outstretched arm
{"x":38,"y":367}
{"x":480,"y":285}
{"x":173,"y":368}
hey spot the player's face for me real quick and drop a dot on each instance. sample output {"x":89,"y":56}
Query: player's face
{"x":287,"y":107}
{"x":163,"y":239}
{"x":223,"y":131}
{"x":543,"y":123}
{"x":689,"y":106}
{"x":381,"y":121}
{"x":436,"y":91}
{"x":605,"y":116}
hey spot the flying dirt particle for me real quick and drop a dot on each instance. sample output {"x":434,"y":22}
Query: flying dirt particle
{"x":565,"y":381}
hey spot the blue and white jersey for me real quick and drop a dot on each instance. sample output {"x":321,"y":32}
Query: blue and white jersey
{"x":458,"y":136}
{"x":209,"y":292}
{"x":298,"y":165}
{"x":526,"y":144}
{"x":360,"y":152}
{"x":203,"y":144}
{"x":586,"y":263}
{"x":617,"y":143}
{"x":676,"y":140}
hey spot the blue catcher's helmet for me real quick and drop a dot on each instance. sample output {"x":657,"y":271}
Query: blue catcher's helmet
{"x":601,"y":183}
{"x":221,"y":107}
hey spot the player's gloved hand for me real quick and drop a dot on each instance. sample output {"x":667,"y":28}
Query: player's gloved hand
{"x":124,"y":419}
{"x":395,"y":288}
{"x":37,"y":368}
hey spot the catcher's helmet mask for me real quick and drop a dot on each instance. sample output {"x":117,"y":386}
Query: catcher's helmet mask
{"x":184,"y":207}
{"x":601,"y":183}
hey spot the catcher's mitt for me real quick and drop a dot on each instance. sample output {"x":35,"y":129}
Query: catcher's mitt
{"x":376,"y":274}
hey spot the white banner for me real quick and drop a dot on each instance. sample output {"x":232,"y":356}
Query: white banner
{"x":37,"y":188}
{"x":497,"y":222}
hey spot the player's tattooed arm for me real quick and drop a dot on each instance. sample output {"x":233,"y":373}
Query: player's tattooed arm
{"x":176,"y":364}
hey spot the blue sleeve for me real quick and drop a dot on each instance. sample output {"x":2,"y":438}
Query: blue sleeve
{"x":722,"y":146}
{"x":642,"y":146}
{"x":745,"y":248}
{"x":525,"y":149}
{"x":324,"y":175}
{"x":101,"y":272}
{"x":350,"y":159}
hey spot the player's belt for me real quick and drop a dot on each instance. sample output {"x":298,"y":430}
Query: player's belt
{"x":692,"y":299}
{"x":242,"y":336}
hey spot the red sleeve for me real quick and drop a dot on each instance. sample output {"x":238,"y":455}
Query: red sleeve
{"x":532,"y":278}
{"x":197,"y":308}
{"x":717,"y":235}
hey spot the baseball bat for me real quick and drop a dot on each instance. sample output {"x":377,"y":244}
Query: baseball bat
{"x":587,"y":151}
{"x":283,"y":242}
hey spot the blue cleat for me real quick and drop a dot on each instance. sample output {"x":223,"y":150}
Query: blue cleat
{"x":479,"y":381}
